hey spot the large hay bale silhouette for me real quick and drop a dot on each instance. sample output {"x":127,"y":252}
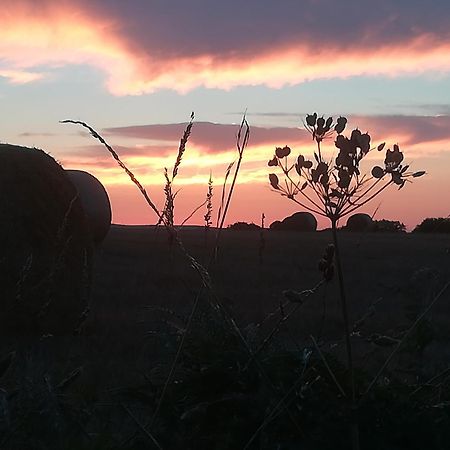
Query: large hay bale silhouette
{"x":45,"y":245}
{"x":300,"y":221}
{"x":95,"y":202}
{"x":359,"y":222}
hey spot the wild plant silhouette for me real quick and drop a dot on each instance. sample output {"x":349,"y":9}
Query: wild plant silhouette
{"x":334,"y":188}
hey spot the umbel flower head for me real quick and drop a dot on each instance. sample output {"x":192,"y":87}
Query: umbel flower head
{"x":334,"y":188}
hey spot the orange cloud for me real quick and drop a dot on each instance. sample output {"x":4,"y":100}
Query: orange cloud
{"x":37,"y":39}
{"x":40,"y":36}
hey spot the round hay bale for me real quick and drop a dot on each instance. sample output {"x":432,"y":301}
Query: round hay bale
{"x":300,"y":221}
{"x":45,"y":245}
{"x":359,"y":222}
{"x":95,"y":201}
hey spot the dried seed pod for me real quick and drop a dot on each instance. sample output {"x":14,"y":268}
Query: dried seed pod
{"x":273,"y":162}
{"x":340,"y":125}
{"x":377,"y":172}
{"x":322,"y":168}
{"x":281,"y":152}
{"x":311,"y":119}
{"x":274,"y":181}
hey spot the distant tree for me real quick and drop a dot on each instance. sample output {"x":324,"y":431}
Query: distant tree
{"x":434,"y":225}
{"x":244,"y":226}
{"x":389,"y":226}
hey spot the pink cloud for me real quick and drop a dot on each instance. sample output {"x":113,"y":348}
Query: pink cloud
{"x":152,"y":46}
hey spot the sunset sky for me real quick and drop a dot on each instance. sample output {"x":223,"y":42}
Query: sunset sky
{"x":135,"y":70}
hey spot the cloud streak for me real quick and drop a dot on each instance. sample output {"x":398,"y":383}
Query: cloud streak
{"x":212,"y":147}
{"x":181,"y":46}
{"x":211,"y":137}
{"x":216,"y":138}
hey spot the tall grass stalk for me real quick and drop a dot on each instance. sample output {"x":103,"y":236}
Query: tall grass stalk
{"x":241,"y":143}
{"x":169,"y":206}
{"x":242,"y":138}
{"x":209,"y":209}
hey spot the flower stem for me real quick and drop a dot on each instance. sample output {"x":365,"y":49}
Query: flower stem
{"x":354,"y":428}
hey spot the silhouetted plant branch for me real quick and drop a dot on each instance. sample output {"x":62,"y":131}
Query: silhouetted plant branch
{"x":334,"y":189}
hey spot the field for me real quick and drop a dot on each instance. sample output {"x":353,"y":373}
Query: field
{"x":136,"y":268}
{"x":100,"y":389}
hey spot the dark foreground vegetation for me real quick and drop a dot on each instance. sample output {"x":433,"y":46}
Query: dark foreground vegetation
{"x":107,"y":388}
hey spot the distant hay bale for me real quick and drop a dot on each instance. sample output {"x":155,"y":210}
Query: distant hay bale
{"x":276,"y":225}
{"x":359,"y":222}
{"x":300,"y":221}
{"x":95,"y":202}
{"x":45,"y":245}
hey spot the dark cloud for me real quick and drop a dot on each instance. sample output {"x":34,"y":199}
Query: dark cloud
{"x":434,"y":108}
{"x":212,"y":137}
{"x":34,"y":134}
{"x":287,"y":115}
{"x":416,"y":129}
{"x":232,"y":28}
{"x":215,"y":138}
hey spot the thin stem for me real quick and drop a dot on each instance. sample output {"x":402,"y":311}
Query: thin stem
{"x":307,"y":207}
{"x":358,"y":205}
{"x":143,"y":429}
{"x":273,"y":414}
{"x":327,"y":366}
{"x":174,"y":364}
{"x":192,"y":213}
{"x":369,"y":188}
{"x":353,"y":405}
{"x":405,"y":336}
{"x":120,"y":163}
{"x":300,"y":191}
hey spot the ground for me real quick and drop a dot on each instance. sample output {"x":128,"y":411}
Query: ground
{"x":143,"y":291}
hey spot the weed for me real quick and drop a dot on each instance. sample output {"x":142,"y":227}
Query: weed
{"x":334,"y":188}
